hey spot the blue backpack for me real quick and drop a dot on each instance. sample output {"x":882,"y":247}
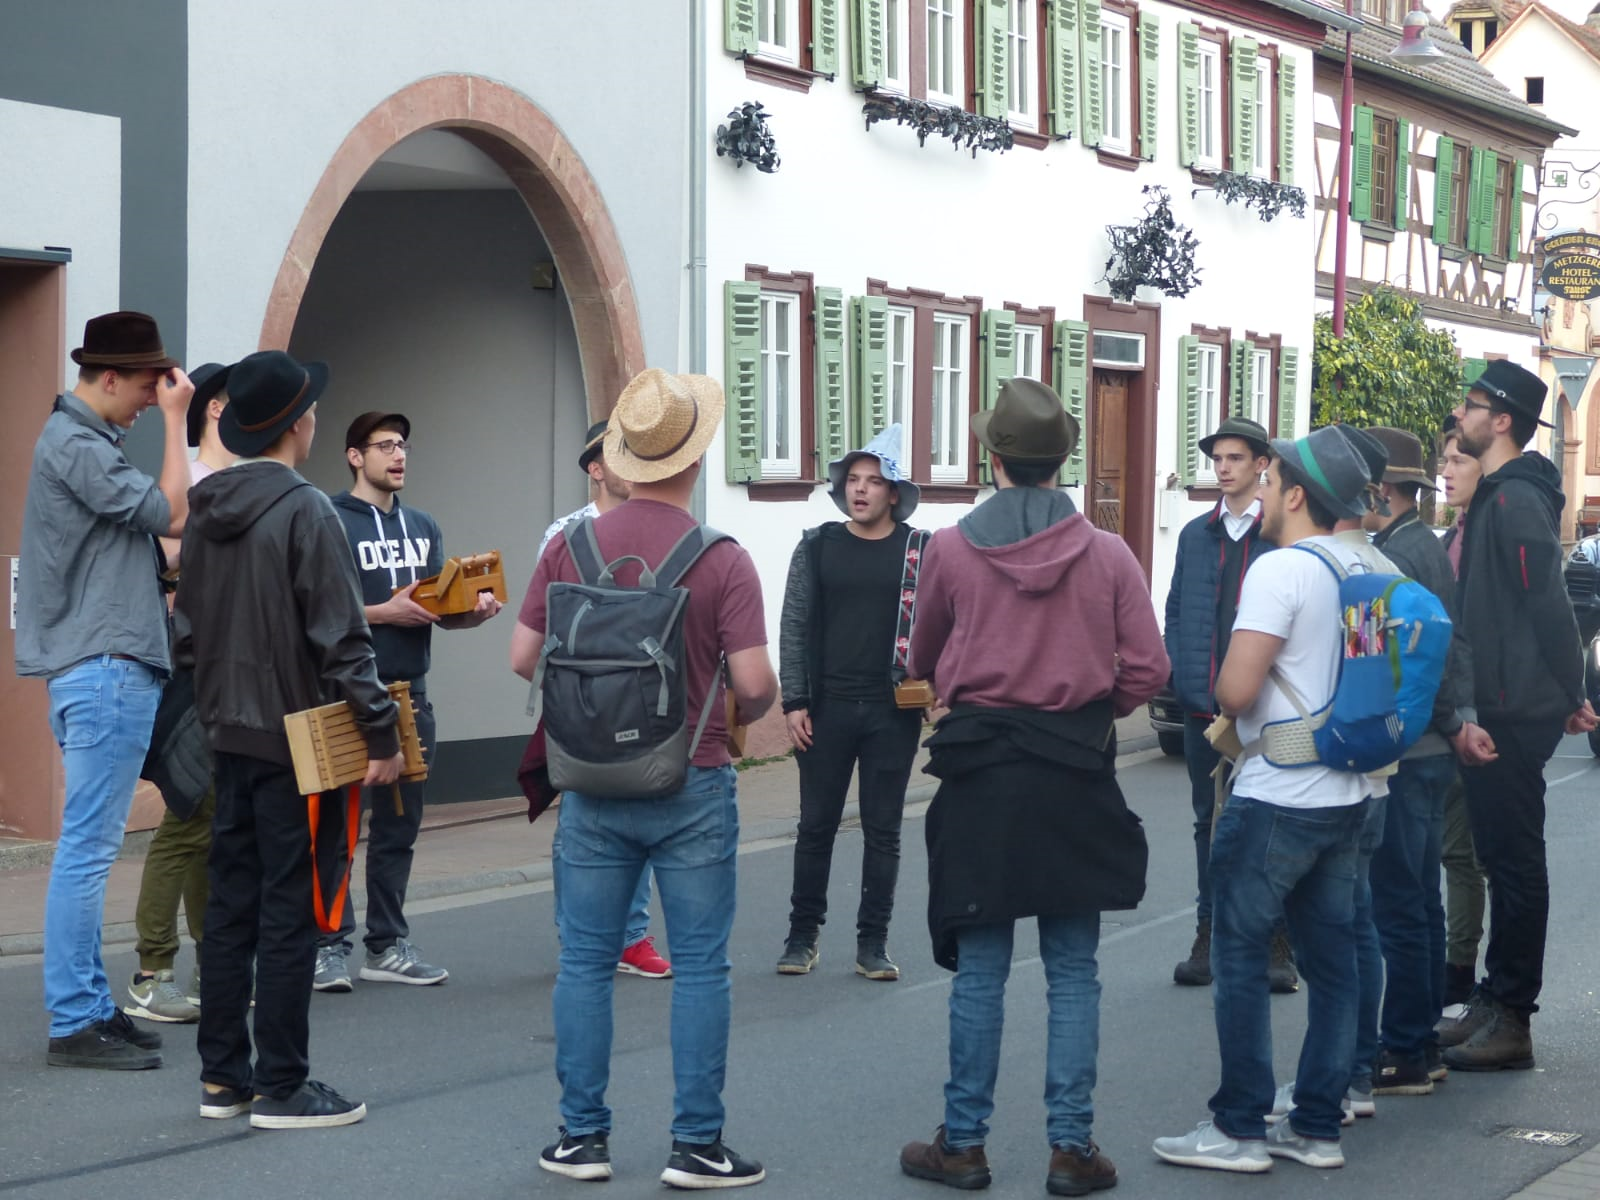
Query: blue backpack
{"x":1394,"y":638}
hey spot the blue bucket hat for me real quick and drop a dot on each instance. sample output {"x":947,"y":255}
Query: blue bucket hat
{"x":885,"y":447}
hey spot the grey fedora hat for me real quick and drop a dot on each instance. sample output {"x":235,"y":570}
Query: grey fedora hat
{"x":1330,"y":467}
{"x":1027,"y":423}
{"x":1243,"y":428}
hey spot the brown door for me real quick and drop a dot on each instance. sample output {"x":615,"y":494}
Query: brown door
{"x":1108,"y":451}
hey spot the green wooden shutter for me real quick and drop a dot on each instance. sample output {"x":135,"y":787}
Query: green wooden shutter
{"x":868,"y":36}
{"x":741,"y":377}
{"x":1402,"y":171}
{"x":1444,"y":161}
{"x":870,"y":335}
{"x":1491,"y":172}
{"x":1471,"y":368}
{"x":1188,"y":93}
{"x":1514,"y":216}
{"x":1149,"y":83}
{"x":1188,"y":409}
{"x":1063,"y":44}
{"x":739,"y":26}
{"x":833,"y":429}
{"x":998,"y":328}
{"x":1361,"y":173}
{"x":1071,"y":347}
{"x":993,"y":57}
{"x":1240,"y":352}
{"x":1286,"y":70}
{"x":1288,"y":384}
{"x":1092,"y":109}
{"x":825,"y":37}
{"x":1478,"y":219}
{"x":1242,"y":101}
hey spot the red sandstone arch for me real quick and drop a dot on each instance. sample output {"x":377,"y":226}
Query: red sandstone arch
{"x":552,"y":180}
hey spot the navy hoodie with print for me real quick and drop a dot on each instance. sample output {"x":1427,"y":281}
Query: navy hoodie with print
{"x":393,"y":549}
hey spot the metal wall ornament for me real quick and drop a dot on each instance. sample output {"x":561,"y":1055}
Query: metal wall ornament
{"x":1157,"y":252}
{"x":746,"y":138}
{"x":1266,"y":197}
{"x":969,"y":131}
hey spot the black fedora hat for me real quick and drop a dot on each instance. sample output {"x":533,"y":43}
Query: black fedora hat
{"x":594,"y":444}
{"x":1027,"y":423}
{"x":208,"y":379}
{"x":267,"y":392}
{"x":123,"y":339}
{"x":1512,"y":389}
{"x":1244,"y":429}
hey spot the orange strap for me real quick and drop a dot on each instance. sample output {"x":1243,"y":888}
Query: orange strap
{"x":326,"y":921}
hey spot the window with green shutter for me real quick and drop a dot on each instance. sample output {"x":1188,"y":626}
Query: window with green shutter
{"x":795,"y":33}
{"x":1188,"y":93}
{"x":1092,"y":104}
{"x":1288,"y":390}
{"x":869,"y":334}
{"x":1444,"y":157}
{"x":1514,"y":213}
{"x":1286,"y":73}
{"x":993,"y":57}
{"x":1189,"y":402}
{"x":829,"y":378}
{"x":741,"y":377}
{"x":1242,"y":105}
{"x":1480,"y":215}
{"x":1149,"y":83}
{"x":1361,"y":169}
{"x":1063,"y":51}
{"x":1072,"y":385}
{"x":997,"y":331}
{"x":739,"y":26}
{"x":869,"y":35}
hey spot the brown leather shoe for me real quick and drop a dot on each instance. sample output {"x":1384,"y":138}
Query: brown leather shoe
{"x":965,"y":1169}
{"x":1503,"y":1043}
{"x":1479,"y":1012}
{"x":1079,"y":1172}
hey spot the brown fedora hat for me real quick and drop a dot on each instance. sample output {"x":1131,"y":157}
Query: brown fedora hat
{"x":662,"y":424}
{"x":1027,"y":423}
{"x":1405,"y":456}
{"x":123,"y":339}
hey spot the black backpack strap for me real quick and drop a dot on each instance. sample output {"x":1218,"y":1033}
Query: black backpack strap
{"x":585,"y":550}
{"x":686,"y":552}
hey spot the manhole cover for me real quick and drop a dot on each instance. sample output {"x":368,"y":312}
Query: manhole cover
{"x":1539,"y":1137}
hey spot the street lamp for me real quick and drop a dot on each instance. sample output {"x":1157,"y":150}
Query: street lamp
{"x":1414,"y":40}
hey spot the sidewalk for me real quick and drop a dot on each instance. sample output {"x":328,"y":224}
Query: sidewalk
{"x":463,"y":848}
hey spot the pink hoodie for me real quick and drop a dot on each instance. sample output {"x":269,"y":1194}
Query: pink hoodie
{"x":1052,"y":622}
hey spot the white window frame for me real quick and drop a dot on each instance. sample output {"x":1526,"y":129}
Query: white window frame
{"x":1021,"y":35}
{"x":1117,"y":364}
{"x":897,"y":46}
{"x":953,"y":48}
{"x":1265,"y":129}
{"x":778,"y":29}
{"x":901,"y":381}
{"x":949,"y":398}
{"x":780,"y":412}
{"x":1116,"y":82}
{"x":1028,"y":352}
{"x":1260,"y":387}
{"x":1211,"y":400}
{"x":1208,"y":149}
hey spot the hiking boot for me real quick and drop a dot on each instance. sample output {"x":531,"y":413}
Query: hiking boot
{"x":333,"y":973}
{"x":1437,"y":1071}
{"x":799,"y":955}
{"x":1282,"y":978}
{"x":101,"y":1047}
{"x":1503,"y":1043}
{"x":1397,"y":1075}
{"x":401,"y":963}
{"x":1458,"y":983}
{"x":157,"y":997}
{"x":641,"y":959}
{"x":1284,"y":1142}
{"x":1208,"y":1146}
{"x":965,"y":1169}
{"x":1355,"y":1104}
{"x":1454,"y":1029}
{"x":1195,"y":971}
{"x":694,"y":1166}
{"x":312,"y":1106}
{"x":224,"y":1102}
{"x":1075,"y":1172}
{"x":873,"y":961}
{"x":587,"y":1156}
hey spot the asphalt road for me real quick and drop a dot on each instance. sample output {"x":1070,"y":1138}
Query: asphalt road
{"x":829,"y":1074}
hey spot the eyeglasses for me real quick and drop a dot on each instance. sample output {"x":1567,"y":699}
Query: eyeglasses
{"x":388,"y":446}
{"x":1471,"y":404}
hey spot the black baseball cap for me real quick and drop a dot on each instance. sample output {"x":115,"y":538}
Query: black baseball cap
{"x":361,"y":428}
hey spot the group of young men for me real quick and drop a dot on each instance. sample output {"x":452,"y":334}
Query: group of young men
{"x":879,"y":622}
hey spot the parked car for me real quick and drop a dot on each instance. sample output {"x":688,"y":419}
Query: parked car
{"x":1582,"y":574}
{"x":1166,"y":718}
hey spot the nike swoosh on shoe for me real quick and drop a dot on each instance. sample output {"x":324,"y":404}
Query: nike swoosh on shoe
{"x":724,"y":1167}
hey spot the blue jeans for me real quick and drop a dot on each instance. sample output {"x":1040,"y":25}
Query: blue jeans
{"x":1406,"y":903}
{"x":1201,"y":760}
{"x":1369,"y":954}
{"x":638,"y":909}
{"x":101,"y":712}
{"x":1067,"y":947}
{"x":691,"y":840}
{"x":1303,"y":861}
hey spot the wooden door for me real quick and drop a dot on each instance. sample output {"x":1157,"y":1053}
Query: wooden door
{"x":1108,"y":451}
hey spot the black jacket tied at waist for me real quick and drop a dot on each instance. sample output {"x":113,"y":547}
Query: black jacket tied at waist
{"x":1028,"y":821}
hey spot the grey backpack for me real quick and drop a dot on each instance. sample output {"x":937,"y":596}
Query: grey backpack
{"x":611,"y":677}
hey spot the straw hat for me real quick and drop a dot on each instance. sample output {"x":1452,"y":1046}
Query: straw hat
{"x":662,"y":424}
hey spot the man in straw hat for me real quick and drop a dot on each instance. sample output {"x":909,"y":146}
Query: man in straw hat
{"x":1037,"y":630}
{"x":1288,"y":839}
{"x":268,"y":578}
{"x":1527,"y":673}
{"x":92,"y":621}
{"x":657,"y":436}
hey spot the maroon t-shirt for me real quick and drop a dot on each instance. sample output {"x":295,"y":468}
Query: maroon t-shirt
{"x":724,"y":613}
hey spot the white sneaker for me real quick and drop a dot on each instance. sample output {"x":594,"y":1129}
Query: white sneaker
{"x":1284,"y":1142}
{"x":1350,"y":1107}
{"x":1210,"y":1147}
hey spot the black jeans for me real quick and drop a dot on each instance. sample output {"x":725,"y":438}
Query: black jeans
{"x":259,"y":912}
{"x":1505,"y":801}
{"x":883,"y":739}
{"x":391,"y":839}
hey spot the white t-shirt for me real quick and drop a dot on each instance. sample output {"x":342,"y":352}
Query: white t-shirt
{"x":556,"y":526}
{"x":1292,"y":595}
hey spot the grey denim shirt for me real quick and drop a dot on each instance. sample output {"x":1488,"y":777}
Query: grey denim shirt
{"x":87,"y":583}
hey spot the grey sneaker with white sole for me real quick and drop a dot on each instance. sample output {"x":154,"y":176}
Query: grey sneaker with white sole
{"x":401,"y":963}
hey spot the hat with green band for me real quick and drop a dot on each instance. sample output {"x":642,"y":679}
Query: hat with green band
{"x":1331,"y":469}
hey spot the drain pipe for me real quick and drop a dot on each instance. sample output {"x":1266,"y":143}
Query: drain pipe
{"x":697,"y":217}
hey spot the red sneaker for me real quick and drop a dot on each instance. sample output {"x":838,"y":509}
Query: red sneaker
{"x":641,"y":959}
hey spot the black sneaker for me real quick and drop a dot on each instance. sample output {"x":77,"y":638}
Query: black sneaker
{"x":799,"y":955}
{"x":873,"y":961}
{"x":313,"y":1106}
{"x":1399,"y":1076}
{"x":122,"y":1025}
{"x":101,"y":1048}
{"x":225,"y":1103}
{"x":695,"y":1166}
{"x":1437,"y":1071}
{"x":587,"y":1156}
